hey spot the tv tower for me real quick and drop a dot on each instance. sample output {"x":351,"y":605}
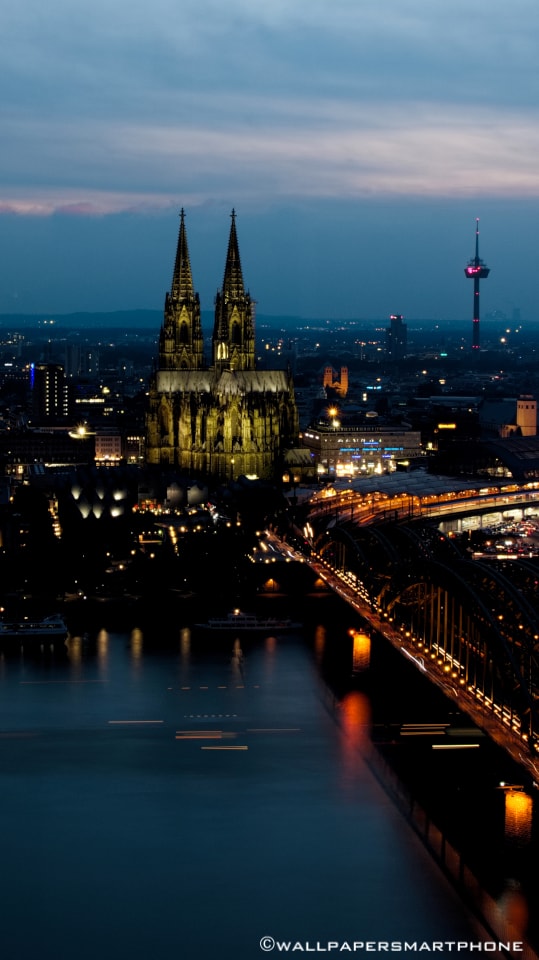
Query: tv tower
{"x":476,"y":271}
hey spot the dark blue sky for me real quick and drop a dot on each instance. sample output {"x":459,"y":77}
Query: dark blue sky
{"x":358,"y":142}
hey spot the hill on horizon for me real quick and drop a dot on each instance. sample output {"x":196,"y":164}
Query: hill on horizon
{"x":139,"y":320}
{"x":152,"y":319}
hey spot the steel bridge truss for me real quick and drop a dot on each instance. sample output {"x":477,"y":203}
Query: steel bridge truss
{"x":476,"y":620}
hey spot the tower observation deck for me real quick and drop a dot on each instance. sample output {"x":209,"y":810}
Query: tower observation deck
{"x":476,"y":270}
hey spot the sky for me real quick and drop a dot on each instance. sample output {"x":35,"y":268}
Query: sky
{"x":358,"y":142}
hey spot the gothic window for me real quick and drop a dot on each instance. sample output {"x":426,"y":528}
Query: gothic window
{"x":164,"y":415}
{"x":184,"y":333}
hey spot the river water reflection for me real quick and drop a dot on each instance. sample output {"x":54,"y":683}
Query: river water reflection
{"x":164,"y":795}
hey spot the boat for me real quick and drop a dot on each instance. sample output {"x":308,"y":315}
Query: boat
{"x":47,"y":628}
{"x":237,"y":620}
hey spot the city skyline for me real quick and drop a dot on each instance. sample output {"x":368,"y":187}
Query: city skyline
{"x":357,"y":147}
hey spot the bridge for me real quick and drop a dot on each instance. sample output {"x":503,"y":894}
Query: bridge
{"x":471,"y":625}
{"x":403,"y":496}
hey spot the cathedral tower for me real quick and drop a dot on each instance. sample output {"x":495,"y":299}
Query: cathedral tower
{"x":233,"y":331}
{"x":181,"y":345}
{"x":228,"y":419}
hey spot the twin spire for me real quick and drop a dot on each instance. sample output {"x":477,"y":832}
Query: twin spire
{"x":233,"y":334}
{"x":182,"y":279}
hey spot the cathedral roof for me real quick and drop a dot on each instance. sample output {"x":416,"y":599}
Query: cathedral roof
{"x":252,"y":381}
{"x":227,"y":383}
{"x":184,"y":381}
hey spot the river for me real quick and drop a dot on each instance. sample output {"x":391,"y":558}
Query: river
{"x":171,"y":794}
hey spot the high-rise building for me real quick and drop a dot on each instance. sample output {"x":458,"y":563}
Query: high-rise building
{"x":227,"y":418}
{"x":50,"y":393}
{"x":72,"y":359}
{"x":396,"y":337}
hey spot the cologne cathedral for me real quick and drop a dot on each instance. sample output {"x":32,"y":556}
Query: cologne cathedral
{"x":223,"y":419}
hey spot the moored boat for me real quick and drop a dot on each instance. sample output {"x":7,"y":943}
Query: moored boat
{"x":39,"y":629}
{"x":237,"y":620}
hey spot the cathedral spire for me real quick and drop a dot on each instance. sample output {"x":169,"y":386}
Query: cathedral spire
{"x":233,"y":331}
{"x":233,"y":279}
{"x":181,"y":344}
{"x":182,"y":280}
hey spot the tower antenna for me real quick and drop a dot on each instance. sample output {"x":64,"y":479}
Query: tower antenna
{"x":476,"y":270}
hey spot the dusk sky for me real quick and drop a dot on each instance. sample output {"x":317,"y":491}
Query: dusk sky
{"x":358,"y":140}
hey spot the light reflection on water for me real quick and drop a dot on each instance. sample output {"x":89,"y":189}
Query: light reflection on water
{"x":518,"y":816}
{"x":185,"y":644}
{"x":102,"y":647}
{"x":74,"y":649}
{"x":514,"y":908}
{"x":319,"y":642}
{"x":354,"y":717}
{"x":361,"y":654}
{"x":136,"y":644}
{"x":283,"y":668}
{"x":237,"y":661}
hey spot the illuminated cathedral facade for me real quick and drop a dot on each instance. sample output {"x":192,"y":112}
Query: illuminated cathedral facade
{"x":225,"y":418}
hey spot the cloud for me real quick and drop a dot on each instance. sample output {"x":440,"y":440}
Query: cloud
{"x":124,"y":58}
{"x":327,"y":149}
{"x":283,"y":109}
{"x":111,"y":107}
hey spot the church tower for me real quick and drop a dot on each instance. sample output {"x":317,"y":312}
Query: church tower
{"x":233,"y":332}
{"x":224,"y":420}
{"x":181,"y":345}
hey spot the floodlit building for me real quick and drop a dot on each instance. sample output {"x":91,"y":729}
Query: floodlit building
{"x":510,"y":417}
{"x":369,"y":445}
{"x":225,"y":419}
{"x":337,"y":383}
